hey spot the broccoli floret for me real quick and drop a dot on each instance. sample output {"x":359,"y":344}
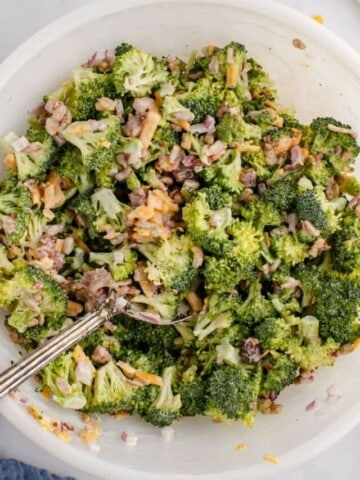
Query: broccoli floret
{"x":309,"y":279}
{"x":150,"y":176}
{"x":145,"y":336}
{"x":206,"y":227}
{"x":212,"y":321}
{"x":14,"y":197}
{"x":192,"y":394}
{"x":224,"y":274}
{"x":121,"y":262}
{"x":171,"y":107}
{"x":271,"y":332}
{"x":346,"y":243}
{"x":349,"y":184}
{"x":29,"y":229}
{"x":225,"y":173}
{"x":264,"y":119}
{"x":70,"y":166}
{"x":318,"y":172}
{"x":227,"y":353}
{"x":313,"y":206}
{"x":59,"y":376}
{"x":170,"y":264}
{"x":123,"y":48}
{"x":256,"y":160}
{"x":320,"y":138}
{"x":282,"y":194}
{"x":81,"y":93}
{"x":99,"y":337}
{"x":163,"y":141}
{"x":232,"y":394}
{"x":166,"y":304}
{"x":256,"y":307}
{"x":33,"y":164}
{"x":108,"y":210}
{"x":97,"y":141}
{"x":288,"y":248}
{"x":111,"y":391}
{"x":280,"y":372}
{"x":259,"y":81}
{"x":232,"y":128}
{"x":167,"y":407}
{"x":138,"y":73}
{"x":200,"y":99}
{"x":261,"y":214}
{"x":216,"y":197}
{"x":83,"y":207}
{"x":337,"y":307}
{"x":36,"y":131}
{"x":313,"y":355}
{"x":21,"y":295}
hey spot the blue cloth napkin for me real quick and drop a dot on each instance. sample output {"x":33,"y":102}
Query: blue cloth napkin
{"x":11,"y":469}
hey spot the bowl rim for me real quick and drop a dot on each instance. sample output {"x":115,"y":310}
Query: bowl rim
{"x":15,"y":414}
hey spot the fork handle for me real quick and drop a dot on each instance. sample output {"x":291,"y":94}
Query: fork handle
{"x":32,"y":363}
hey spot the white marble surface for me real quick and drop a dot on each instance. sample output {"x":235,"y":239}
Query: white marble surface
{"x":18,"y":20}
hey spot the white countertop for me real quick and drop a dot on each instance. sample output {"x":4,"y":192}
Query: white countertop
{"x":18,"y":21}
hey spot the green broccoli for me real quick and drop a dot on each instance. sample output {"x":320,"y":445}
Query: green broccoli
{"x":348,"y":184}
{"x":288,"y":248}
{"x":206,"y":227}
{"x":337,"y":307}
{"x":121,"y":262}
{"x":70,"y":166}
{"x":96,"y":140}
{"x":258,"y":80}
{"x":256,"y":160}
{"x":14,"y":197}
{"x":18,"y":294}
{"x":261,"y":214}
{"x":346,"y":242}
{"x":272,"y":332}
{"x":83,"y":208}
{"x":225,"y":173}
{"x":108,"y":210}
{"x":138,"y":73}
{"x":282,"y":194}
{"x":256,"y":307}
{"x":313,"y":207}
{"x":165,"y":304}
{"x":192,"y":394}
{"x":163,"y":141}
{"x":167,"y":407}
{"x":322,"y":137}
{"x":171,"y":108}
{"x":5,"y":265}
{"x":200,"y":99}
{"x":232,"y":128}
{"x":227,"y":353}
{"x":59,"y":375}
{"x":232,"y":394}
{"x":313,"y":355}
{"x":34,"y":161}
{"x":279,"y":372}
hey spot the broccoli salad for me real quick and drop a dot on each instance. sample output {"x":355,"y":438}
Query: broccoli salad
{"x":187,"y":189}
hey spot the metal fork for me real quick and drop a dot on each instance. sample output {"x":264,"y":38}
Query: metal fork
{"x":39,"y":358}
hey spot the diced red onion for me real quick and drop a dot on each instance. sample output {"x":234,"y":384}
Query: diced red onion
{"x":84,"y":373}
{"x":18,"y":396}
{"x":60,"y":141}
{"x":248,"y":178}
{"x":347,"y":131}
{"x":214,"y":65}
{"x":191,"y":184}
{"x":55,"y":229}
{"x":20,"y":144}
{"x":184,"y":115}
{"x":209,"y":123}
{"x":123,"y":174}
{"x":310,"y":406}
{"x":63,"y":385}
{"x":137,"y":197}
{"x":119,"y":109}
{"x":198,"y":128}
{"x":99,"y":57}
{"x":290,"y":283}
{"x":296,"y":156}
{"x":224,"y":108}
{"x":130,"y":438}
{"x":331,"y":396}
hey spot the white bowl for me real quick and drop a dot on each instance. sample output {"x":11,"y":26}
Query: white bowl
{"x":323,"y":79}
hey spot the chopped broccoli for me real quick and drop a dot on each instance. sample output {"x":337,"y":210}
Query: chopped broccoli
{"x":171,"y":107}
{"x":280,"y":371}
{"x":96,"y":140}
{"x":5,"y":265}
{"x":349,"y":184}
{"x":33,"y":164}
{"x":232,"y":394}
{"x":121,"y":262}
{"x":320,"y":138}
{"x":256,"y":160}
{"x":287,"y":247}
{"x":346,"y":243}
{"x":313,"y":355}
{"x":232,"y":128}
{"x":227,"y":353}
{"x":18,"y":294}
{"x":138,"y":73}
{"x":170,"y":264}
{"x":225,"y":173}
{"x":165,"y":304}
{"x":261,"y":214}
{"x":192,"y":394}
{"x":70,"y":166}
{"x":200,"y":99}
{"x":167,"y":407}
{"x":272,"y":332}
{"x":313,"y":206}
{"x":282,"y":194}
{"x":206,"y":227}
{"x":108,"y":210}
{"x":256,"y":307}
{"x":14,"y":197}
{"x":259,"y":81}
{"x":59,"y":376}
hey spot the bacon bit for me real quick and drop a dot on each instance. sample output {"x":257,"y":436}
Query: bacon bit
{"x":271,"y":459}
{"x":90,"y":433}
{"x":319,"y":19}
{"x":297,"y":43}
{"x":10,"y":161}
{"x":120,"y":415}
{"x":310,"y":406}
{"x":194,"y":301}
{"x":232,"y":75}
{"x":149,"y":126}
{"x":240,"y":447}
{"x":73,"y":308}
